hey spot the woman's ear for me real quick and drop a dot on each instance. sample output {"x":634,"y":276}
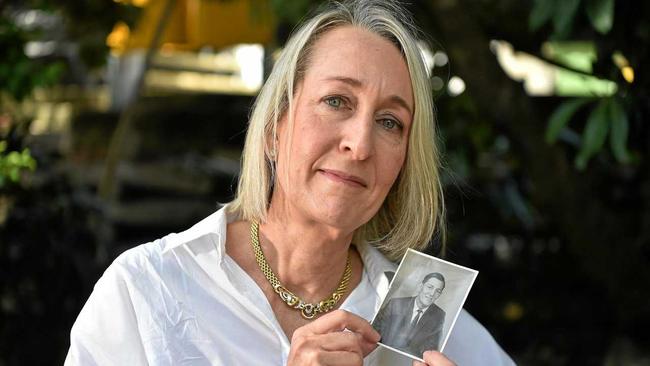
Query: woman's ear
{"x":271,"y":146}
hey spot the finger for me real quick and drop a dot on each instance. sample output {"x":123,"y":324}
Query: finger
{"x":340,"y":341}
{"x":338,"y":348}
{"x":418,"y":363}
{"x":367,"y":346}
{"x":364,"y":344}
{"x":339,"y":320}
{"x":435,"y":358}
{"x":337,"y":341}
{"x":340,"y":358}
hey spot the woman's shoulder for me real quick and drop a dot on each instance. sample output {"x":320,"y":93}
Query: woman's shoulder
{"x":140,"y":257}
{"x":207,"y":234}
{"x":160,"y":263}
{"x":471,"y":344}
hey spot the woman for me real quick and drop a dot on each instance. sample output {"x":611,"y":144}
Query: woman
{"x":339,"y":173}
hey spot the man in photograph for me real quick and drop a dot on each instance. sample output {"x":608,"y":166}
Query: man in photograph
{"x":414,"y":324}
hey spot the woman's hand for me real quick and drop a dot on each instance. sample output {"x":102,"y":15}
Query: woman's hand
{"x":337,"y":338}
{"x":434,"y":358}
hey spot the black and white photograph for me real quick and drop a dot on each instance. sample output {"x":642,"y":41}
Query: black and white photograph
{"x":422,"y":304}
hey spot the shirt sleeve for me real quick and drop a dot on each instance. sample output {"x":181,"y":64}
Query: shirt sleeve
{"x":471,"y":344}
{"x":106,"y":331}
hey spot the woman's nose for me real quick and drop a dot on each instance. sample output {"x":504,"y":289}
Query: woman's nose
{"x":357,"y":139}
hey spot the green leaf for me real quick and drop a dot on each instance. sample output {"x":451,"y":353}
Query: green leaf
{"x":601,"y":14}
{"x":13,"y":158}
{"x":27,"y":161}
{"x":563,"y":16}
{"x":14,"y":175}
{"x":594,"y":134}
{"x":618,"y":137}
{"x":540,"y":14}
{"x":561,"y":116}
{"x":53,"y":73}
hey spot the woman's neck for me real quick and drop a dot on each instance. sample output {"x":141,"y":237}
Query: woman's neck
{"x":307,"y":257}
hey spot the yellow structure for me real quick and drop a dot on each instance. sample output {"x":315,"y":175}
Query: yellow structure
{"x":207,"y":46}
{"x":197,"y":23}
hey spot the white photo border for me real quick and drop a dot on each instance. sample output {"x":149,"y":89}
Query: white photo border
{"x":453,"y":323}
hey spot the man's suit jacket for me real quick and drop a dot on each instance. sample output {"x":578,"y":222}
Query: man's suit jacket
{"x":393,"y":323}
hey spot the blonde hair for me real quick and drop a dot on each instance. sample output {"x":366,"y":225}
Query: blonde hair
{"x":414,"y":208}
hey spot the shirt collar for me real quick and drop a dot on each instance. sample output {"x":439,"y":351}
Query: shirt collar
{"x":416,"y":307}
{"x":209,"y":236}
{"x":377,"y":267}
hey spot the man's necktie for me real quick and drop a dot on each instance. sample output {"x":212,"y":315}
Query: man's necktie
{"x":415,"y":320}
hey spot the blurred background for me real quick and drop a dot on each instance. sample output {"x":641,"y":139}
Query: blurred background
{"x":122,"y":121}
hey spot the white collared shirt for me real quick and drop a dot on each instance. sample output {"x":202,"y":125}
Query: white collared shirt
{"x":181,"y":300}
{"x":415,"y":311}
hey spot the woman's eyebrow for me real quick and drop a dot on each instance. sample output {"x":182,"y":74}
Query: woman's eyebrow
{"x":396,"y":99}
{"x":347,"y":80}
{"x":401,"y":102}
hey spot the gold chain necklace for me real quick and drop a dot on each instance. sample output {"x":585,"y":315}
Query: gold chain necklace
{"x":308,"y":310}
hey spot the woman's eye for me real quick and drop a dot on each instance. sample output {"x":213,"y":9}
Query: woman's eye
{"x":334,"y":102}
{"x":389,"y":124}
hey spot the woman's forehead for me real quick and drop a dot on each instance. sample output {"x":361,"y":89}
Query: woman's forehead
{"x":350,"y":43}
{"x":355,"y":55}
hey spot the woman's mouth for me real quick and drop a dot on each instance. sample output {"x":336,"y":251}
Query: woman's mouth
{"x":341,"y":177}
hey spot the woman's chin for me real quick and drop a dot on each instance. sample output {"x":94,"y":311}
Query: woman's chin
{"x":344,"y":216}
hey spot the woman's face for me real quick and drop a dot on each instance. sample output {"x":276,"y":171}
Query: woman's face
{"x":352,"y":116}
